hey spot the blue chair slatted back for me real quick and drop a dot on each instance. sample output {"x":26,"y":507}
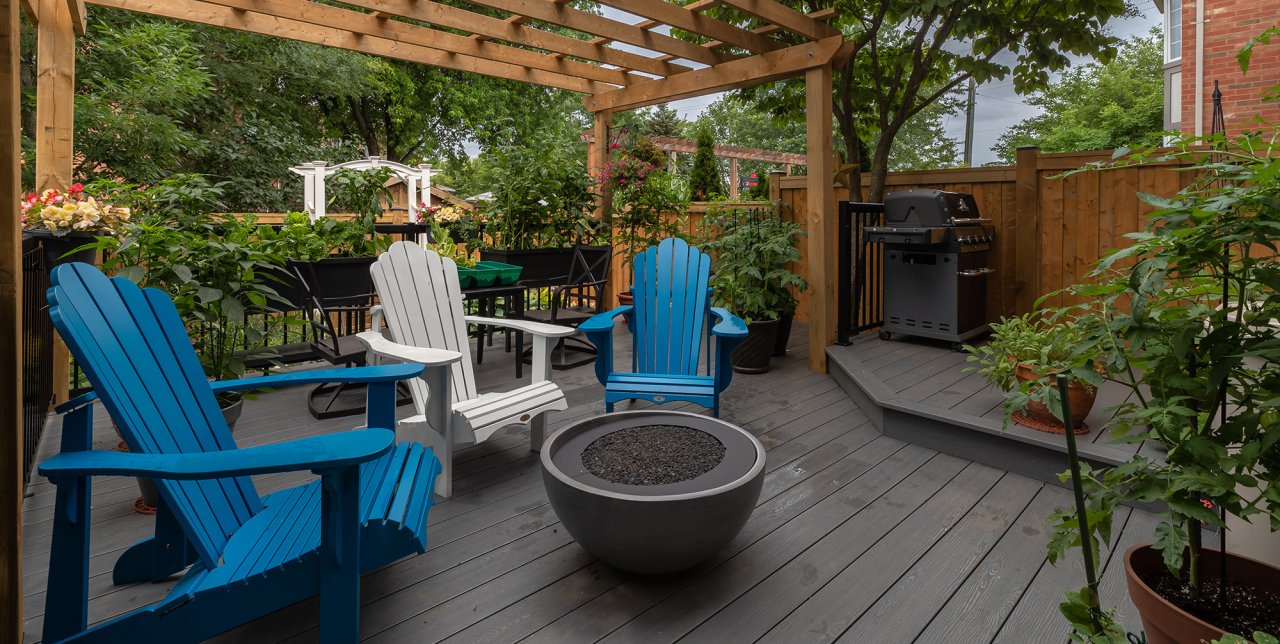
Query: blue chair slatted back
{"x":672,"y":299}
{"x":132,"y":344}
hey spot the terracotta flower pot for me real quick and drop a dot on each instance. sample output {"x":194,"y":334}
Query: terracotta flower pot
{"x":625,"y":298}
{"x":146,"y":504}
{"x":1037,"y":414}
{"x":1164,"y":622}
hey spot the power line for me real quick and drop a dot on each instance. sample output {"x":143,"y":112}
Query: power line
{"x":1004,"y":100}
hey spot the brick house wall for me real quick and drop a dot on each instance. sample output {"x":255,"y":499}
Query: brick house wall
{"x":1229,"y":24}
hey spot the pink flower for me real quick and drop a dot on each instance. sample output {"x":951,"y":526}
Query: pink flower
{"x":76,"y":188}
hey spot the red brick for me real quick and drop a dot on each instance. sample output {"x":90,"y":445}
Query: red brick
{"x":1229,"y":25}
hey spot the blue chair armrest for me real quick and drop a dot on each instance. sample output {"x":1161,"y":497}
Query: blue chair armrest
{"x":318,"y":453}
{"x":599,"y":330}
{"x":729,"y":325}
{"x":77,"y":402}
{"x":381,"y":373}
{"x":730,"y":331}
{"x":604,"y":321}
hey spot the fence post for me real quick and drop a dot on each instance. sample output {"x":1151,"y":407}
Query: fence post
{"x":775,"y":185}
{"x":1026,"y":249}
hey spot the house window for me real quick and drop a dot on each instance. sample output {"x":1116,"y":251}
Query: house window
{"x":1173,"y":100}
{"x":1173,"y":30}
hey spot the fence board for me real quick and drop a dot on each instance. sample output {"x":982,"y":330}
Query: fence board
{"x":1078,"y":217}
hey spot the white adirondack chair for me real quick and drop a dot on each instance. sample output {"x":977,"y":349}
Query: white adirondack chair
{"x":421,"y":302}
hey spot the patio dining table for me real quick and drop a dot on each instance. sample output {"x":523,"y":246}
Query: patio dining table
{"x":486,"y":298}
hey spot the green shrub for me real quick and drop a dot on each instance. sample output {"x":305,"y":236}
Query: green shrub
{"x":705,"y":181}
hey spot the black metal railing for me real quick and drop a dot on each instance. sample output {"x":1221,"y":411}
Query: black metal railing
{"x":37,"y":355}
{"x":860,"y":283}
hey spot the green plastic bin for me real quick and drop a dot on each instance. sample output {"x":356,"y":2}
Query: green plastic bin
{"x":477,"y":277}
{"x":507,"y":273}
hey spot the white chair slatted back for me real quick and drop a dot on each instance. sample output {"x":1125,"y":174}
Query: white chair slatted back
{"x":422,"y":303}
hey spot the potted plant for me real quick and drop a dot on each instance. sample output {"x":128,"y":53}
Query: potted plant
{"x":67,"y":223}
{"x":542,"y":207}
{"x":752,"y":251}
{"x":1188,"y":316}
{"x":338,"y":252}
{"x":1023,"y":357}
{"x":648,"y":206}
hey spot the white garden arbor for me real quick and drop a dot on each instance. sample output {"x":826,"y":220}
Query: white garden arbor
{"x":751,"y":42}
{"x":416,"y":179}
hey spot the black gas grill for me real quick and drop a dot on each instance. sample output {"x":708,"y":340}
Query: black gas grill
{"x":936,"y":264}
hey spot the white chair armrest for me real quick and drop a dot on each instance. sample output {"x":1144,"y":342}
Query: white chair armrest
{"x":535,"y":328}
{"x":422,"y":355}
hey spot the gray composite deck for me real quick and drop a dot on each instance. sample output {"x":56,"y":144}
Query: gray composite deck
{"x":858,"y":537}
{"x":922,"y":391}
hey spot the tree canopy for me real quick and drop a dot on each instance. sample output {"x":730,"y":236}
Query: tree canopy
{"x":1098,"y":106}
{"x":156,"y":97}
{"x":908,"y":55}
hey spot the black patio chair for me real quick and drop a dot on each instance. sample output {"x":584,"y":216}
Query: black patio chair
{"x":577,"y":297}
{"x":339,"y":292}
{"x":280,"y":322}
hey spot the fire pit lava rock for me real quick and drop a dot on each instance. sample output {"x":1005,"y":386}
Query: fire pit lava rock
{"x":653,"y":492}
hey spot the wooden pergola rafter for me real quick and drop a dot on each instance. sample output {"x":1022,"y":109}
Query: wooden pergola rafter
{"x":542,"y":42}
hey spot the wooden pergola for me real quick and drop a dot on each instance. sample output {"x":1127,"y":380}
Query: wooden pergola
{"x":511,"y":41}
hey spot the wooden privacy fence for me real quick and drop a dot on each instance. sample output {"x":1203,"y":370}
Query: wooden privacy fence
{"x":1049,"y":229}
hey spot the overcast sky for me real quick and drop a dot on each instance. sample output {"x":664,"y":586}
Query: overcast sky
{"x":998,"y":106}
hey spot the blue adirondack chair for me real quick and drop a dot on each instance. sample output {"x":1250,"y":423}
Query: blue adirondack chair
{"x":248,"y":555}
{"x":668,"y":322}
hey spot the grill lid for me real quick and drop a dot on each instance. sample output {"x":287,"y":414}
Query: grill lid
{"x":930,"y":208}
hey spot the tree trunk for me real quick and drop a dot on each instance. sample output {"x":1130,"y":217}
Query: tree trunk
{"x":852,"y":155}
{"x":359,"y":114}
{"x":880,"y":166}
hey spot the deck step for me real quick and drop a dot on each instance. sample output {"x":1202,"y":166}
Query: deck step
{"x":858,"y":369}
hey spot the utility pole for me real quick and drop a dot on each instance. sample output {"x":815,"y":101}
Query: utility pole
{"x":968,"y":123}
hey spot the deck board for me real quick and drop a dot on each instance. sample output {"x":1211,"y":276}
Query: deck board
{"x":857,"y":536}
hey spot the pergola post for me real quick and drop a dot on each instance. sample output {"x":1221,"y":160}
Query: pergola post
{"x":820,"y":216}
{"x":55,"y":128}
{"x":10,"y":330}
{"x":733,"y":178}
{"x":598,"y":154}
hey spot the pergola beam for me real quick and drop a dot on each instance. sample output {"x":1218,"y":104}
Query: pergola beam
{"x":743,"y":72}
{"x":785,"y":17}
{"x":686,"y":146}
{"x":821,"y":14}
{"x":79,"y":16}
{"x":372,"y":25}
{"x":666,"y":13}
{"x":219,"y":16}
{"x":549,"y":12}
{"x":513,"y":31}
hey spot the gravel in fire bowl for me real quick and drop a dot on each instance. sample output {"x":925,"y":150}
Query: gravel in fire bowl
{"x":653,"y":455}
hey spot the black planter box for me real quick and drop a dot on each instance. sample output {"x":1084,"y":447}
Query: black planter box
{"x":337,"y":279}
{"x":56,"y":248}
